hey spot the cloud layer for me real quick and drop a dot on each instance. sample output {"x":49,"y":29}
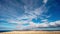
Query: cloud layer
{"x":20,"y":13}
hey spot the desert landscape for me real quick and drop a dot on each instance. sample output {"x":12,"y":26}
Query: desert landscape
{"x":31,"y":32}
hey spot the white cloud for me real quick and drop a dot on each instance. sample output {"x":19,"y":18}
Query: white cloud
{"x":52,"y":24}
{"x":55,"y":23}
{"x":45,"y":20}
{"x":29,"y":15}
{"x":58,"y":22}
{"x":45,"y":1}
{"x":34,"y":25}
{"x":18,"y":22}
{"x":44,"y":25}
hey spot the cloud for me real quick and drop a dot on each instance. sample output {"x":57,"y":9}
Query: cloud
{"x":33,"y":25}
{"x":17,"y":14}
{"x":12,"y":12}
{"x":55,"y":23}
{"x":45,"y":1}
{"x":29,"y":15}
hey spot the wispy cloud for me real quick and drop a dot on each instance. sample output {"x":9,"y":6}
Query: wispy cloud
{"x":45,"y":1}
{"x":55,"y":23}
{"x":23,"y":12}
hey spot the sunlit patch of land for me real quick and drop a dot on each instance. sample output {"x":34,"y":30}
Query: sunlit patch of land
{"x":31,"y":32}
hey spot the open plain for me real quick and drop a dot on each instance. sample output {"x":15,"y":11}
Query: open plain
{"x":31,"y":32}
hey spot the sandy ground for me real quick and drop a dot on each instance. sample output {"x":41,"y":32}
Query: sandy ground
{"x":32,"y":32}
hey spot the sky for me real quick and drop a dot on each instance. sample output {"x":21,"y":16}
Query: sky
{"x":29,"y":14}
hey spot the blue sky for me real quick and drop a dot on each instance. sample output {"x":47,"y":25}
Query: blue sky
{"x":29,"y":14}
